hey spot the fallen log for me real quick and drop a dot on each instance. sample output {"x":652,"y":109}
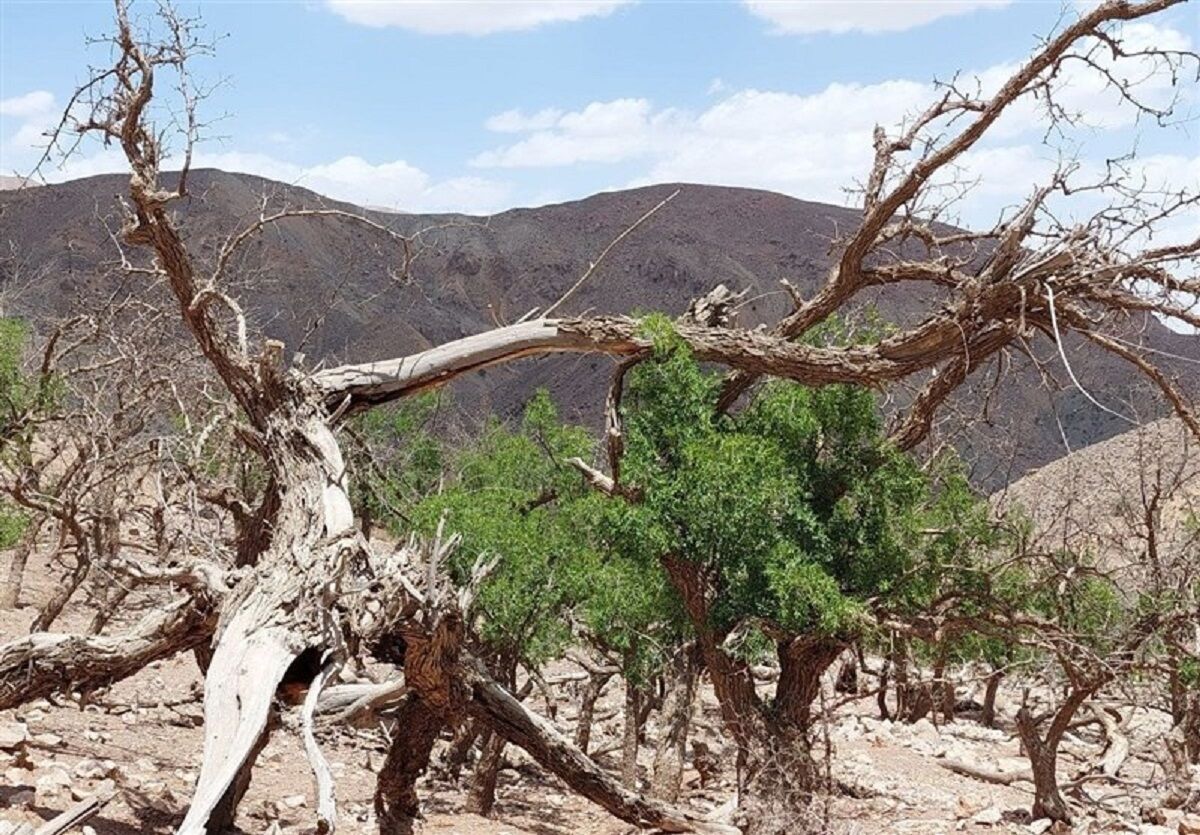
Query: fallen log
{"x":987,"y":775}
{"x":45,"y":663}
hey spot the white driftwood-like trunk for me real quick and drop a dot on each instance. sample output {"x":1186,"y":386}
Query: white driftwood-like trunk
{"x":278,"y":611}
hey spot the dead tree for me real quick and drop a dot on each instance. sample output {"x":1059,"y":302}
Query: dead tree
{"x":307,"y":585}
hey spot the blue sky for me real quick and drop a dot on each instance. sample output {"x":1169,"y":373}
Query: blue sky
{"x":480,"y":106}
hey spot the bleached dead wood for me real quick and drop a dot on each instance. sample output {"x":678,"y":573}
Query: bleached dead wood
{"x":46,"y":663}
{"x":987,"y":775}
{"x":73,"y":816}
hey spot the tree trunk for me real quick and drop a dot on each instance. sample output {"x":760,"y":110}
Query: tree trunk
{"x":987,"y":716}
{"x":881,"y":695}
{"x":10,"y":592}
{"x":944,"y":686}
{"x":675,"y":722}
{"x":224,"y":815}
{"x":397,"y":806}
{"x":1191,"y":725}
{"x":45,"y":663}
{"x":592,"y":690}
{"x":1042,"y":752}
{"x":65,"y":590}
{"x":847,"y":679}
{"x":631,"y":739}
{"x":482,"y":795}
{"x":783,"y":776}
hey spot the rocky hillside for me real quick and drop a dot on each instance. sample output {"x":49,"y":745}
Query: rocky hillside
{"x":1100,"y":498}
{"x":330,"y":289}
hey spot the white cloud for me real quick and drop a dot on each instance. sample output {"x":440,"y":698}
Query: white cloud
{"x":870,"y":16}
{"x":469,"y":17}
{"x":36,"y":103}
{"x":32,"y":114}
{"x":816,"y":145}
{"x":390,"y":185}
{"x":611,"y":131}
{"x":807,"y":145}
{"x":516,"y":121}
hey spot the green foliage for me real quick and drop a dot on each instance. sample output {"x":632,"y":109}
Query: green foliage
{"x":13,"y":524}
{"x":396,"y":457}
{"x":796,"y":505}
{"x":512,"y":497}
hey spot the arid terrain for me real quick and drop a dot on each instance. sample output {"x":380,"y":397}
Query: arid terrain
{"x":141,"y":740}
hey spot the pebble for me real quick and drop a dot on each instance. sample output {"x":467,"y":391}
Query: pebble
{"x":12,"y":735}
{"x":989,"y":816}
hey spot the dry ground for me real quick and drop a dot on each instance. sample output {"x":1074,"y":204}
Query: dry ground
{"x":145,"y":737}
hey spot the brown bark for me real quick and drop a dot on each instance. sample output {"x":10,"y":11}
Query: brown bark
{"x":459,"y":752}
{"x":631,"y":734}
{"x":482,"y":795}
{"x":592,"y":689}
{"x":987,"y":715}
{"x":780,"y":775}
{"x":944,"y":686}
{"x":10,"y":592}
{"x":674,"y":723}
{"x":63,"y":592}
{"x":500,"y":710}
{"x":1042,"y":751}
{"x":397,"y":806}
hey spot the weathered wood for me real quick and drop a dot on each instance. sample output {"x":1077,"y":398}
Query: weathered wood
{"x":45,"y":663}
{"x":500,"y":710}
{"x":987,"y":775}
{"x":326,"y":802}
{"x":73,"y":816}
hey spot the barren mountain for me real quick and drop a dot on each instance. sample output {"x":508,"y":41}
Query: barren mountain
{"x":1099,"y":498}
{"x":332,"y":290}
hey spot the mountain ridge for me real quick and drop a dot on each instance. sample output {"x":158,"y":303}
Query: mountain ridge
{"x":332,"y":289}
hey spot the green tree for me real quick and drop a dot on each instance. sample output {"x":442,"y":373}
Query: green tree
{"x":791,"y":524}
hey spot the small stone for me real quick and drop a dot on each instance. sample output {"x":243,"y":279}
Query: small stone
{"x":13,"y":735}
{"x":159,"y":797}
{"x":1040,"y":825}
{"x":969,"y":806}
{"x":52,"y":783}
{"x":48,"y":740}
{"x":295,"y":801}
{"x":93,"y":769}
{"x":1189,"y":825}
{"x":989,"y":816}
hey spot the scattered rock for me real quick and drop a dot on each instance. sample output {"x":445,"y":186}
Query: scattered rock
{"x":1040,"y":825}
{"x":295,"y":801}
{"x":1189,"y":825}
{"x":95,"y":769}
{"x":51,"y":783}
{"x":23,"y":797}
{"x":13,"y":735}
{"x":989,"y":816}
